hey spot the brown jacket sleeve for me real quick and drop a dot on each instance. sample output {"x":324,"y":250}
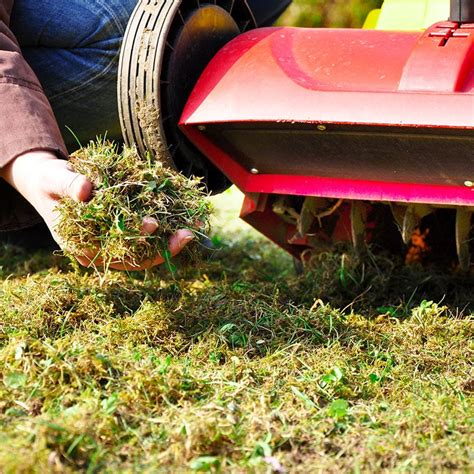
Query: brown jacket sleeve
{"x":27,"y":122}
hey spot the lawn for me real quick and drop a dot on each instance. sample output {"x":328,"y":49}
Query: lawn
{"x":236,"y":363}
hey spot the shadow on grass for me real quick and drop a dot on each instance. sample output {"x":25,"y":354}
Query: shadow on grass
{"x":379,"y":283}
{"x":345,"y":281}
{"x":249,"y":295}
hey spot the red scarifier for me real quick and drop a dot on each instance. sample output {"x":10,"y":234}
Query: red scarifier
{"x":348,"y":118}
{"x":357,"y":115}
{"x":333,"y":134}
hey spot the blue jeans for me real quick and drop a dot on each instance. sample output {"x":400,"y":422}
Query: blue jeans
{"x":73,"y":46}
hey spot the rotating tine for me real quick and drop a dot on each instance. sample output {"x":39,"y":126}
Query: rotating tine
{"x":358,"y":225}
{"x":409,"y":218}
{"x":463,"y":230}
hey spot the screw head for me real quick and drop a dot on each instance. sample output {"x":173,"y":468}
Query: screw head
{"x":254,"y":171}
{"x":201,"y":128}
{"x":469,"y":184}
{"x":322,"y":128}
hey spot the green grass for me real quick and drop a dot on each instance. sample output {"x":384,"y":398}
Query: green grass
{"x":238,"y":365}
{"x":334,"y":13}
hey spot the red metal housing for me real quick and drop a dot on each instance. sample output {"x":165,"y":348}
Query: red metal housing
{"x":338,"y":113}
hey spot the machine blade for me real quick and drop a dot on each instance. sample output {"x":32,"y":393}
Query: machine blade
{"x":463,"y":230}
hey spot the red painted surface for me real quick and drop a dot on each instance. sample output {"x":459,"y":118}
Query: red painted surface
{"x":258,"y":213}
{"x":446,"y":50}
{"x":332,"y":76}
{"x":330,"y":187}
{"x":338,"y":77}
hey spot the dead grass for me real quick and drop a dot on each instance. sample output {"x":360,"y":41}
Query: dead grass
{"x":128,"y":190}
{"x":236,"y":366}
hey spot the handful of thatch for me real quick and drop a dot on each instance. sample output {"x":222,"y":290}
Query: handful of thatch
{"x":128,"y":189}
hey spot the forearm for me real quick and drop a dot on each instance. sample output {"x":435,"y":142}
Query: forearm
{"x":27,"y":122}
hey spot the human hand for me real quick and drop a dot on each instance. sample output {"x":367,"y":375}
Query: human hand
{"x":43,"y":180}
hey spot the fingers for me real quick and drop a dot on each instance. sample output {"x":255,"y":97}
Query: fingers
{"x":176,"y":244}
{"x":179,"y":240}
{"x":149,"y":226}
{"x":90,"y":258}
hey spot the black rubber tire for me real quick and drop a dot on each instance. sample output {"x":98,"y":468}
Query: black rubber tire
{"x":144,"y":92}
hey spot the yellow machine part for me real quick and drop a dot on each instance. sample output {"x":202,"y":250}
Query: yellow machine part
{"x":408,"y":14}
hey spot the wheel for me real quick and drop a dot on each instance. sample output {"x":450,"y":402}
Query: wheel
{"x":166,"y":47}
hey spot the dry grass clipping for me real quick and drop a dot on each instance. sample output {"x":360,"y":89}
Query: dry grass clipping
{"x":126,"y":190}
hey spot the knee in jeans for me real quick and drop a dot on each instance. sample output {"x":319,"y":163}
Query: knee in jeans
{"x":68,"y":24}
{"x":110,"y":20}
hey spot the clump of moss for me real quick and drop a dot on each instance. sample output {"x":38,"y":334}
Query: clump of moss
{"x":128,"y":189}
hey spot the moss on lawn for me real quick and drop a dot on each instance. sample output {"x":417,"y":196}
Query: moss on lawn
{"x":238,"y":366}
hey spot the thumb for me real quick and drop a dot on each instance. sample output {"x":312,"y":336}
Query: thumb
{"x":80,"y":188}
{"x":64,"y":182}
